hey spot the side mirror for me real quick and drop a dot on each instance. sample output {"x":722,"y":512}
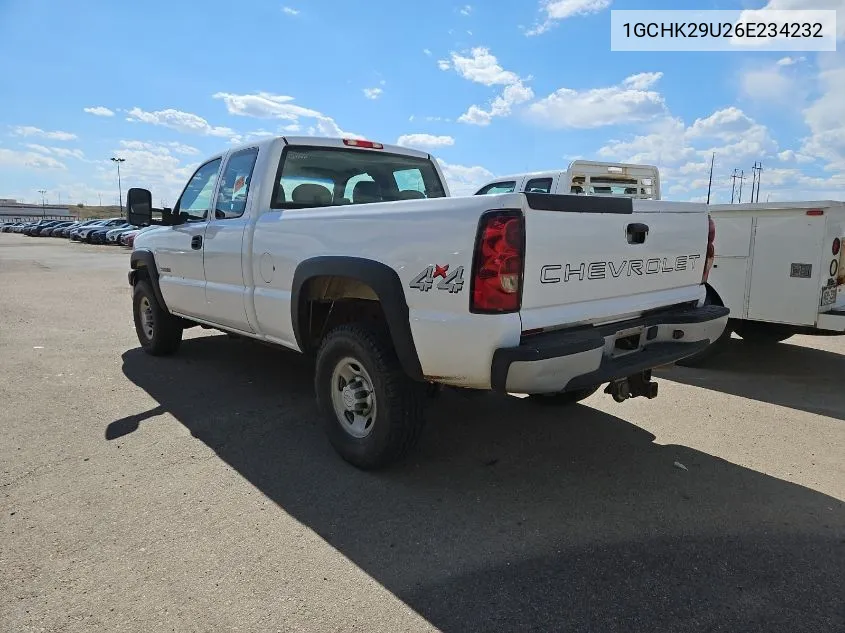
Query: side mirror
{"x":139,"y":207}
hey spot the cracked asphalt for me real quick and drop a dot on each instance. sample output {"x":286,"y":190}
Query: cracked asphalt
{"x":196,"y":493}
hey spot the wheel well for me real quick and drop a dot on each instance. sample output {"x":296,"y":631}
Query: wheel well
{"x":326,"y":301}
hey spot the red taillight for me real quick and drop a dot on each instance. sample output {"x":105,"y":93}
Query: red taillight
{"x":815,"y":211}
{"x":711,"y":249}
{"x":354,"y":142}
{"x":836,"y":245}
{"x":497,"y":265}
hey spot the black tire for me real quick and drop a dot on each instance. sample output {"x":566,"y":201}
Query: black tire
{"x":164,"y":335}
{"x":717,"y":346}
{"x":399,"y":417}
{"x":564,"y":398}
{"x":763,"y":333}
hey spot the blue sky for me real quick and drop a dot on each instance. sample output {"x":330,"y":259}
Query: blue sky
{"x":488,"y":87}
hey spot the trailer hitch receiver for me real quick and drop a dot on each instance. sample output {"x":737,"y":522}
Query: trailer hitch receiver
{"x":633,"y":386}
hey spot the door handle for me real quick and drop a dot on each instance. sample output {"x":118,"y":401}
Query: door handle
{"x":637,"y":233}
{"x":196,"y":242}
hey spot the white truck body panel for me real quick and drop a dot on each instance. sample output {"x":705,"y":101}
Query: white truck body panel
{"x":241,"y":280}
{"x":774,"y":262}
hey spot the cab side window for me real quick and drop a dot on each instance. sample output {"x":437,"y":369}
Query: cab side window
{"x":196,"y":199}
{"x":497,"y":187}
{"x":234,"y":186}
{"x":539,"y":185}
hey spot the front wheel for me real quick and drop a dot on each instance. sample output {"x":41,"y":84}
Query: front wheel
{"x":159,"y":332}
{"x":372,"y":412}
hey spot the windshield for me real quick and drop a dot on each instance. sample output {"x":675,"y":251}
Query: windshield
{"x":327,"y":176}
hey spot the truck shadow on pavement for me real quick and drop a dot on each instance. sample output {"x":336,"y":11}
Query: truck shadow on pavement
{"x":517,"y":518}
{"x":784,"y":374}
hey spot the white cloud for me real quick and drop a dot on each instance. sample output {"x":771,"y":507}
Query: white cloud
{"x":481,"y":66}
{"x":62,"y":152}
{"x":464,"y":180}
{"x":466,"y":9}
{"x":514,"y":94}
{"x":824,"y":117}
{"x":683,"y":153}
{"x":373,"y":93}
{"x":443,"y":64}
{"x":789,"y":61}
{"x":179,"y":121}
{"x":264,"y":105}
{"x":597,"y":107}
{"x":789,"y":156}
{"x":797,"y":5}
{"x":425,"y":140}
{"x":160,"y":148}
{"x":557,"y":10}
{"x":29,"y":130}
{"x":290,"y":11}
{"x":427,"y":52}
{"x":99,"y":111}
{"x":13,"y":159}
{"x":642,"y":81}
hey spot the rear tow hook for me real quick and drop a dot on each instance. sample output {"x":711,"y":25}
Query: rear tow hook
{"x":632,"y":387}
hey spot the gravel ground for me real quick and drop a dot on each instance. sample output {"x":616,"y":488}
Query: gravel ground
{"x":196,"y":493}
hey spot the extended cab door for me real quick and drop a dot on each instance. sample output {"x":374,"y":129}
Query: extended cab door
{"x":225,"y":285}
{"x":179,"y":250}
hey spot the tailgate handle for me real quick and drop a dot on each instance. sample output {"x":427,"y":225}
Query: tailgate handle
{"x":196,"y":242}
{"x":637,"y":233}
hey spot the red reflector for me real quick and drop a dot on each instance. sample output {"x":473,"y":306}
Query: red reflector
{"x":497,"y":265}
{"x":836,"y":246}
{"x":815,"y":212}
{"x":354,"y":142}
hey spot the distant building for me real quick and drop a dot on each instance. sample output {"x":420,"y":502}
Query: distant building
{"x":12,"y":210}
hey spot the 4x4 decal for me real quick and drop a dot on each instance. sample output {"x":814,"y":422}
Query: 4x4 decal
{"x":451,"y":281}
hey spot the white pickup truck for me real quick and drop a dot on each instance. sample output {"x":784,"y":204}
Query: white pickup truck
{"x":584,"y":177}
{"x":354,"y":251}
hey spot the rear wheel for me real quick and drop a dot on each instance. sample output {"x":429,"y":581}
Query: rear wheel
{"x":763,"y":333}
{"x":563,"y":398}
{"x":159,"y":332}
{"x":372,"y":412}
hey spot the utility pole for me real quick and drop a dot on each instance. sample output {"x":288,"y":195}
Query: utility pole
{"x":43,"y":203}
{"x":741,"y":178}
{"x":119,"y":187}
{"x":759,"y":177}
{"x":733,"y":185}
{"x":710,"y":184}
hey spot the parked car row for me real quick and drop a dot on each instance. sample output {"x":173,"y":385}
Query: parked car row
{"x":105,"y":231}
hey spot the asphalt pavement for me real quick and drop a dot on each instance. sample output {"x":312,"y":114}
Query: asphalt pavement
{"x":197,"y":492}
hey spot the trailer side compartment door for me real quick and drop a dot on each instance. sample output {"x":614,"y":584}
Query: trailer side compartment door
{"x":785,"y":270}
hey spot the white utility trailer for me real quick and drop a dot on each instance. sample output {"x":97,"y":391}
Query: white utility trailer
{"x":780,"y":269}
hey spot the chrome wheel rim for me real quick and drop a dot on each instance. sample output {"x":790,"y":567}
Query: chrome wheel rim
{"x":353,"y":398}
{"x":145,"y":311}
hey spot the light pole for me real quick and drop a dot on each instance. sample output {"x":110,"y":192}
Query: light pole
{"x":119,"y":188}
{"x":42,"y":192}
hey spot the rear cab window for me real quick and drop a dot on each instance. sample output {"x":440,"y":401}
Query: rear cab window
{"x":335,"y":176}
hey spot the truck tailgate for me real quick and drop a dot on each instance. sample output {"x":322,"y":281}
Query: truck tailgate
{"x":590,"y":258}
